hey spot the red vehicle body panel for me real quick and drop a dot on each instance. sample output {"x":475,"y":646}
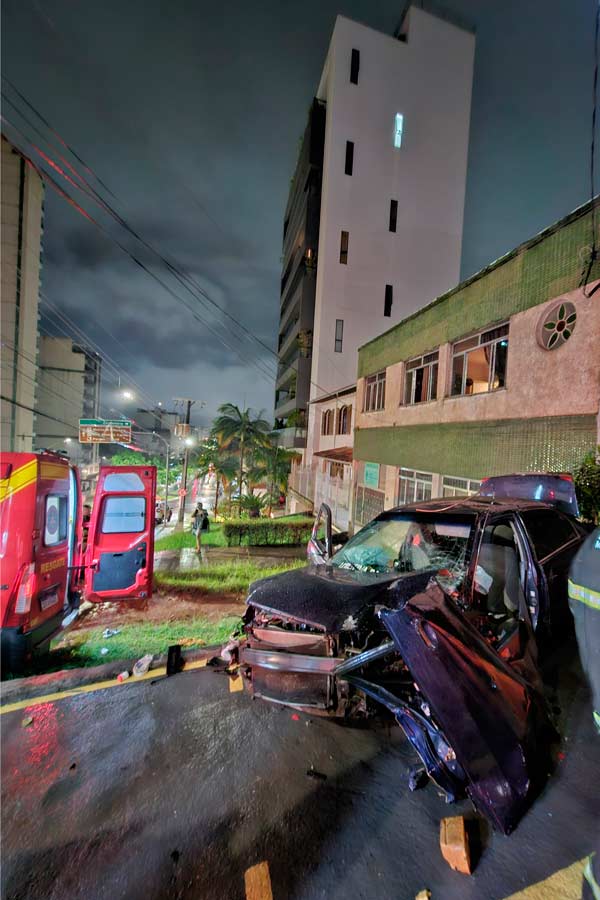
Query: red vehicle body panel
{"x":120,"y":550}
{"x":36,"y":540}
{"x":41,"y":551}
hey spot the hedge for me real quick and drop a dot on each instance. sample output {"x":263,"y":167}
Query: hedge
{"x":266,"y":532}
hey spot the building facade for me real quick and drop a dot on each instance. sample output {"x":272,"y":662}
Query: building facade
{"x":68,"y":389}
{"x":501,"y":374}
{"x":22,"y":228}
{"x":329,"y":478}
{"x":298,"y":284}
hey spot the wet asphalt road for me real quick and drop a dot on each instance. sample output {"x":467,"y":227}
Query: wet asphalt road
{"x":173,"y":789}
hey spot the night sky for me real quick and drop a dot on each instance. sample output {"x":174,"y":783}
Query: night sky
{"x":191,"y":113}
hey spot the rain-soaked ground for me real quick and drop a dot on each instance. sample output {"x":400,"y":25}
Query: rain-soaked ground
{"x":174,"y":789}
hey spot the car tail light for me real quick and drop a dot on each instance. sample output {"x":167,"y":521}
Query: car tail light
{"x":26,"y":591}
{"x":566,"y":477}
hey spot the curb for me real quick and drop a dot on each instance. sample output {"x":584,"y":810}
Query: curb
{"x":68,"y":679}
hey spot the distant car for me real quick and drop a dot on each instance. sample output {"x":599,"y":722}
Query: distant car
{"x":434,"y":611}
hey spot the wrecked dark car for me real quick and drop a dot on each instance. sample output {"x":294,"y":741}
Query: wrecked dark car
{"x":434,"y":611}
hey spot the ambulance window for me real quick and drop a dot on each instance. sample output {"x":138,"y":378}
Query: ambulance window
{"x":124,"y":515}
{"x":56,"y":520}
{"x":123,"y":481}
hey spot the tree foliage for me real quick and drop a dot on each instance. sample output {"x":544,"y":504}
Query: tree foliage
{"x":587,"y":485}
{"x":244,"y":430}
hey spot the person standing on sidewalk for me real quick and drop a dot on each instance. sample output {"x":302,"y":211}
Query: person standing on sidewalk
{"x":197,"y":521}
{"x":584,"y":600}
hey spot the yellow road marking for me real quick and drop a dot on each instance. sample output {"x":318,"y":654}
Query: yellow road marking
{"x":562,"y":885}
{"x":236,"y":683}
{"x":96,"y":686}
{"x":258,"y":882}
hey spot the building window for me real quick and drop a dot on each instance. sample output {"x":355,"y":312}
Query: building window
{"x":387,"y":303}
{"x":349,"y":157}
{"x":459,"y":487}
{"x":124,"y":515}
{"x":398,"y":129}
{"x":354,"y":66}
{"x":327,"y":422}
{"x":344,"y":419}
{"x":393,"y":214}
{"x":344,"y":248}
{"x":413,"y":487}
{"x":421,"y":379}
{"x":479,"y":362}
{"x":374,"y":392}
{"x":56,"y":519}
{"x":339,"y":335}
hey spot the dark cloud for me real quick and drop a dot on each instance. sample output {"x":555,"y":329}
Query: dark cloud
{"x":191,"y":114}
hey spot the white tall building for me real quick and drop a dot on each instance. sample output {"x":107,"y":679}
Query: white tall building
{"x":393,"y":184}
{"x":22,"y":230}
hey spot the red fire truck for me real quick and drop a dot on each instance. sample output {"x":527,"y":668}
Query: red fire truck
{"x":44,"y":569}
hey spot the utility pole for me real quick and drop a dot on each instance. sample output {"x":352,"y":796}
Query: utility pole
{"x":186,"y":454}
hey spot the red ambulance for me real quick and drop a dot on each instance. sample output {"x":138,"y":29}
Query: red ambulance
{"x":44,"y":570}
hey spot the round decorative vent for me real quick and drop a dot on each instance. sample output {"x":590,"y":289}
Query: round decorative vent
{"x":556,"y":325}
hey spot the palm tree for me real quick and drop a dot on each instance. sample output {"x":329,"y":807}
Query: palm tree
{"x":240,"y":428}
{"x":272,"y":463}
{"x":213,"y":457}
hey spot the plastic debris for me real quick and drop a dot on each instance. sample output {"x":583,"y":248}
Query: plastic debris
{"x":110,"y":632}
{"x":28,"y":720}
{"x":122,"y":676}
{"x":229,"y":651}
{"x":104,"y":651}
{"x":142,"y":665}
{"x":295,"y":717}
{"x":425,"y":894}
{"x":454,"y":844}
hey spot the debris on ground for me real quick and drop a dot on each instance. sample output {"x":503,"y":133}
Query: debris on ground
{"x":295,"y":717}
{"x":230,"y":651}
{"x":103,"y":651}
{"x":174,"y":659}
{"x":122,"y":676}
{"x":417,"y":778}
{"x":142,"y":665}
{"x":110,"y":632}
{"x":454,"y":844}
{"x":313,"y":773}
{"x":425,"y":894}
{"x":28,"y":720}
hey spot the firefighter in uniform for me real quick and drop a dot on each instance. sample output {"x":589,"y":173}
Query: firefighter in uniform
{"x":584,"y":600}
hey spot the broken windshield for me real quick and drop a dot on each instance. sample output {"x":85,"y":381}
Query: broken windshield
{"x":408,"y":543}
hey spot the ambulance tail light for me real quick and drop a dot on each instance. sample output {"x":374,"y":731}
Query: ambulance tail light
{"x":26,"y":591}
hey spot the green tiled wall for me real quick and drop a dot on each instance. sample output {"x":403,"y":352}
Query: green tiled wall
{"x":477,"y":449}
{"x":544,"y":267}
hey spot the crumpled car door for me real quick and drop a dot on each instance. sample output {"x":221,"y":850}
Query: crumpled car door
{"x":491,"y":712}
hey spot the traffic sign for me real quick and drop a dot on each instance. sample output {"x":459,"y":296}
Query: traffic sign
{"x":104,"y":431}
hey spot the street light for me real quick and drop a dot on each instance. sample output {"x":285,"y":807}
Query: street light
{"x":128,"y":395}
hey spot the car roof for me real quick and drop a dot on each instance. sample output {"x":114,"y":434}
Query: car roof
{"x":474,"y":505}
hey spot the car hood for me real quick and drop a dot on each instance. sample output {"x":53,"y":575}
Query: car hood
{"x":330,"y":598}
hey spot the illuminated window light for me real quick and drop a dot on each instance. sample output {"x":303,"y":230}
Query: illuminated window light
{"x":398,"y":129}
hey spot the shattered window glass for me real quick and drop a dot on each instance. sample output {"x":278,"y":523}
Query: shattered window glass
{"x":409,"y":544}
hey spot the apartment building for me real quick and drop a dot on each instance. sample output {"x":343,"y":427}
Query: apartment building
{"x":500,"y":374}
{"x":22,"y":228}
{"x":68,"y":389}
{"x":392,"y":177}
